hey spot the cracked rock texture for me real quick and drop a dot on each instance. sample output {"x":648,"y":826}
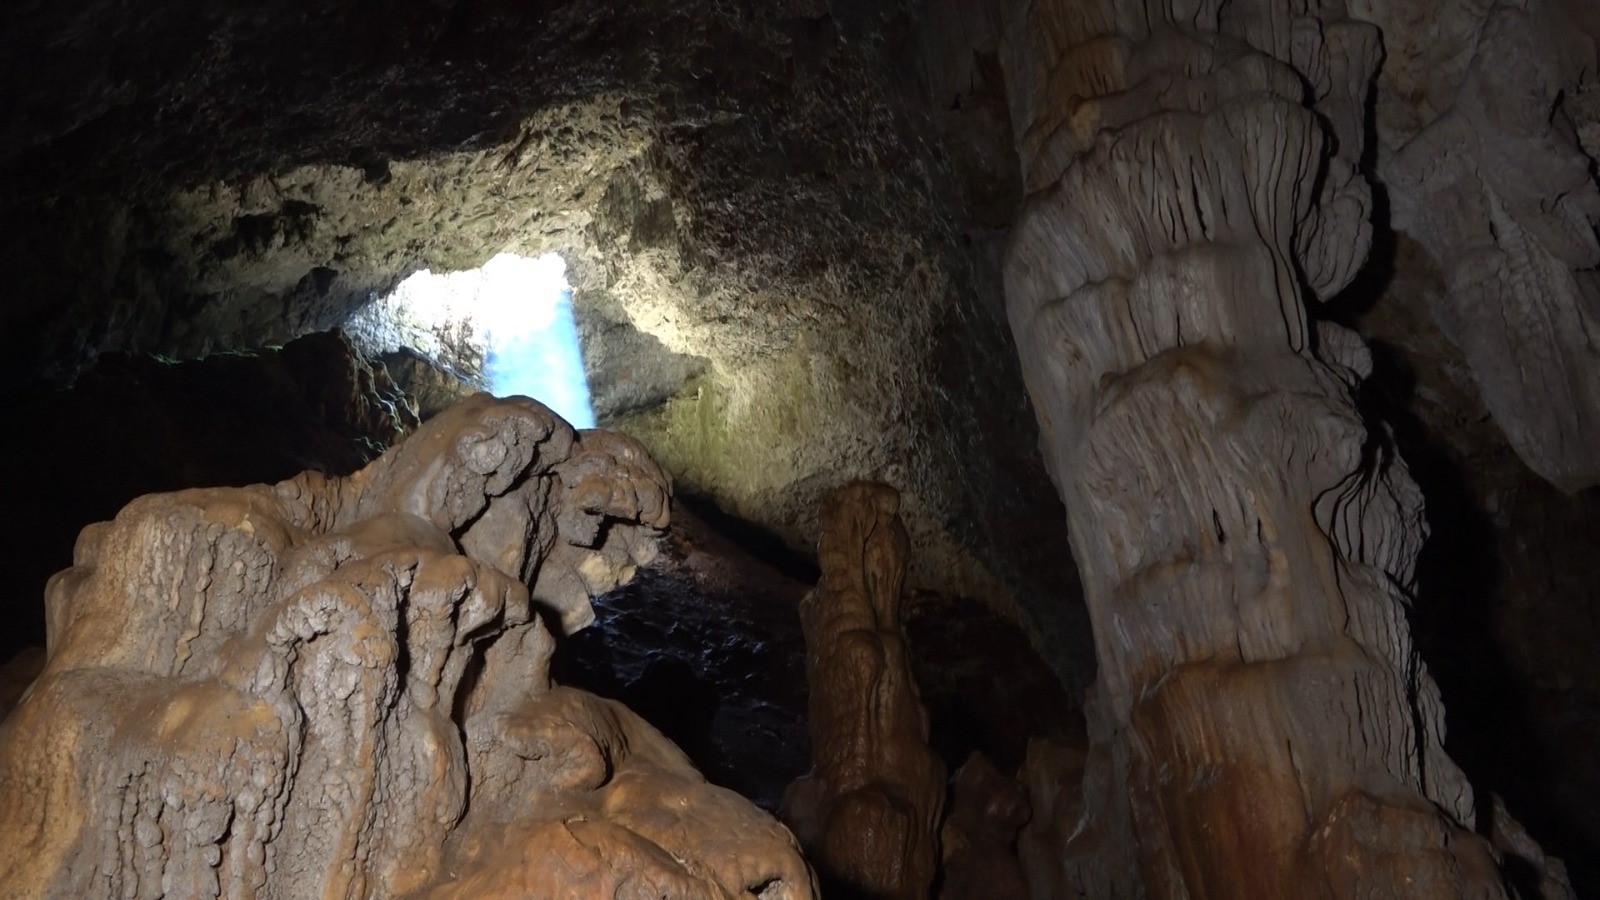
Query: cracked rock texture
{"x":868,"y":812}
{"x":340,"y":687}
{"x":1246,"y":540}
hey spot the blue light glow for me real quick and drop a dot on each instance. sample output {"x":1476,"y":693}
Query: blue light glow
{"x":526,"y":307}
{"x":514,"y":315}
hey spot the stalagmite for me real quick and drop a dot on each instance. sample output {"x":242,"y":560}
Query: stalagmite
{"x":1262,"y":725}
{"x":339,"y":687}
{"x":979,"y":836}
{"x":868,"y":813}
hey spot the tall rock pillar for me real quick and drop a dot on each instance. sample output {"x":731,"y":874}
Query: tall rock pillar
{"x":1246,"y":540}
{"x":868,"y":812}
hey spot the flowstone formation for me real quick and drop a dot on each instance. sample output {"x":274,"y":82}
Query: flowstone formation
{"x":339,"y":687}
{"x":869,"y":810}
{"x":1261,"y":724}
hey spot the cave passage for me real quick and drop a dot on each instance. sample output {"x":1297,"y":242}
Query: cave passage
{"x":522,"y":308}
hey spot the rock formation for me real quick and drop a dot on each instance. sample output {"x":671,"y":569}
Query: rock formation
{"x":338,"y":687}
{"x":432,"y":387}
{"x":1262,"y":724}
{"x":135,"y":424}
{"x":17,"y":674}
{"x":785,"y":222}
{"x":1500,"y":190}
{"x":868,"y":813}
{"x":748,"y":209}
{"x":978,"y":838}
{"x":1059,"y":841}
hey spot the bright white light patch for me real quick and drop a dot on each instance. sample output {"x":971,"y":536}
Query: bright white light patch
{"x":523,"y":308}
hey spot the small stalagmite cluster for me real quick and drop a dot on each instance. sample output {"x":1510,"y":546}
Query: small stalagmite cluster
{"x":868,"y":813}
{"x":978,"y":839}
{"x":339,"y":687}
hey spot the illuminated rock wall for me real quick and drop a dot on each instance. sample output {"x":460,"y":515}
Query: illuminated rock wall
{"x":774,"y":281}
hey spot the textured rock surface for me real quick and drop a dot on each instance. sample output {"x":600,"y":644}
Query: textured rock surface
{"x":868,"y":813}
{"x":1506,"y":601}
{"x":339,"y":687}
{"x":430,"y":387}
{"x":1059,"y":840}
{"x":17,"y":674}
{"x":979,"y":836}
{"x":1246,"y":540}
{"x":771,"y":229}
{"x":741,"y":189}
{"x":133,"y":425}
{"x":707,"y":646}
{"x":1487,"y":168}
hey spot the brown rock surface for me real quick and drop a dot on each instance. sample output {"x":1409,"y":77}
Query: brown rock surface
{"x":979,"y":836}
{"x":1058,"y":840}
{"x":339,"y":687}
{"x":433,"y":388}
{"x":868,"y":812}
{"x":137,"y":424}
{"x":17,"y":675}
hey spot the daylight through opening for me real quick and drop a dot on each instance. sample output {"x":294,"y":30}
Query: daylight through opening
{"x":516,"y":311}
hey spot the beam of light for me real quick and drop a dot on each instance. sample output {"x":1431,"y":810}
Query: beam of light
{"x":522,"y":308}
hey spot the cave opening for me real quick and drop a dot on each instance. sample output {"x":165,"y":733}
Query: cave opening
{"x":506,"y":326}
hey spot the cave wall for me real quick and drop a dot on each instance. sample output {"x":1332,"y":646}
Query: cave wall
{"x":1488,"y":142}
{"x":134,"y":425}
{"x":791,"y":216}
{"x":1506,"y":599}
{"x":767,"y":239}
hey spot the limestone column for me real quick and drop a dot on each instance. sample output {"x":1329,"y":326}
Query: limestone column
{"x":1262,"y":724}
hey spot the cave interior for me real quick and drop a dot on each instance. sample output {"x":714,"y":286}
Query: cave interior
{"x":1234,"y":368}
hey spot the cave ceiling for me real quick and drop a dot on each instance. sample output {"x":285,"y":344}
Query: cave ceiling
{"x":775,"y":249}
